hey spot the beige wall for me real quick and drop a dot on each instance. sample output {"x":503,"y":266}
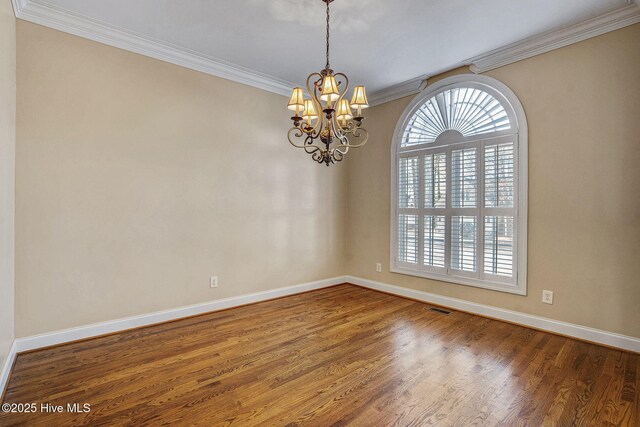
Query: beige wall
{"x":583,"y":108}
{"x":7,"y":157}
{"x":137,"y":180}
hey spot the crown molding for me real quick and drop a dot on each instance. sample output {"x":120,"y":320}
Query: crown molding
{"x":60,"y":19}
{"x":527,"y":48}
{"x":68,"y":22}
{"x":555,"y":39}
{"x":398,"y":91}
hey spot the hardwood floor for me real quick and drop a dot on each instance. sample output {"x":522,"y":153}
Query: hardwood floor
{"x":333,"y":357}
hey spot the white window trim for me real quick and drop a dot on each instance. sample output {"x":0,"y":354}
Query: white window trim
{"x":519,"y":121}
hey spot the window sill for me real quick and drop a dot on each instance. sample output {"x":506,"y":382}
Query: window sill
{"x":519,"y":289}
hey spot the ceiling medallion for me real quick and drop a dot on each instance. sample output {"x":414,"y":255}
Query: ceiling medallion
{"x":328,"y":136}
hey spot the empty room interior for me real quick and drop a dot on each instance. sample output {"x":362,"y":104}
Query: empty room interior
{"x":320,"y":213}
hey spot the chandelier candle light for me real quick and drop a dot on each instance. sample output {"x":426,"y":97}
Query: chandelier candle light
{"x":327,"y":128}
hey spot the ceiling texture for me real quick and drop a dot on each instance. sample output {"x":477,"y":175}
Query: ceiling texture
{"x":391,"y":46}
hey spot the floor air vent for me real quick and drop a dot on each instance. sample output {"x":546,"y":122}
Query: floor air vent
{"x":439,"y":310}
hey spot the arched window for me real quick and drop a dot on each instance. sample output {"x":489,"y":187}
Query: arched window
{"x":459,"y":190}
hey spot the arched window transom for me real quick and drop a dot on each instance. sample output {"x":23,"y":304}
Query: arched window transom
{"x":467,"y":110}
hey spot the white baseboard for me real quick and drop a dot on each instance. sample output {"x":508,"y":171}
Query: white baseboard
{"x":7,"y":366}
{"x":102,"y":328}
{"x":569,"y":329}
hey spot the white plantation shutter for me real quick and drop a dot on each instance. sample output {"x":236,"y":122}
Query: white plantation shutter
{"x":408,"y":182}
{"x":434,"y":241}
{"x":498,"y":175}
{"x":457,"y":208}
{"x":498,"y":245}
{"x":435,"y":184}
{"x":408,"y":187}
{"x":464,"y":231}
{"x":408,"y":238}
{"x":464,"y":178}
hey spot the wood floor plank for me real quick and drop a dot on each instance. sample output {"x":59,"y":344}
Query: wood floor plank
{"x":334,"y":357}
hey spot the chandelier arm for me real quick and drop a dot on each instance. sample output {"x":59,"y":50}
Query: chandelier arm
{"x":311,"y":149}
{"x":337,"y":155}
{"x":346,"y":84}
{"x":298,"y":133}
{"x":340,"y":134}
{"x":318,"y":156}
{"x":336,"y":124}
{"x":314,"y":92}
{"x":318,"y":105}
{"x":343,"y":149}
{"x":339,"y":131}
{"x":352,"y":128}
{"x":365,"y":137}
{"x":357,"y":132}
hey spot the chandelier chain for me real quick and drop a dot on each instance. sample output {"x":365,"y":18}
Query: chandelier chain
{"x":328,"y":16}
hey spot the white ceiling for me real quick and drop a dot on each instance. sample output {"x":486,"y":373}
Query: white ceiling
{"x":377,"y":42}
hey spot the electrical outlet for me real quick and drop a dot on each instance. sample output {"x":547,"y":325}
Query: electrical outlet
{"x":379,"y":267}
{"x":547,"y":297}
{"x":213,"y":281}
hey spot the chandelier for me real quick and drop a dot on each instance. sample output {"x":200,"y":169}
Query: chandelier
{"x":327,"y":128}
